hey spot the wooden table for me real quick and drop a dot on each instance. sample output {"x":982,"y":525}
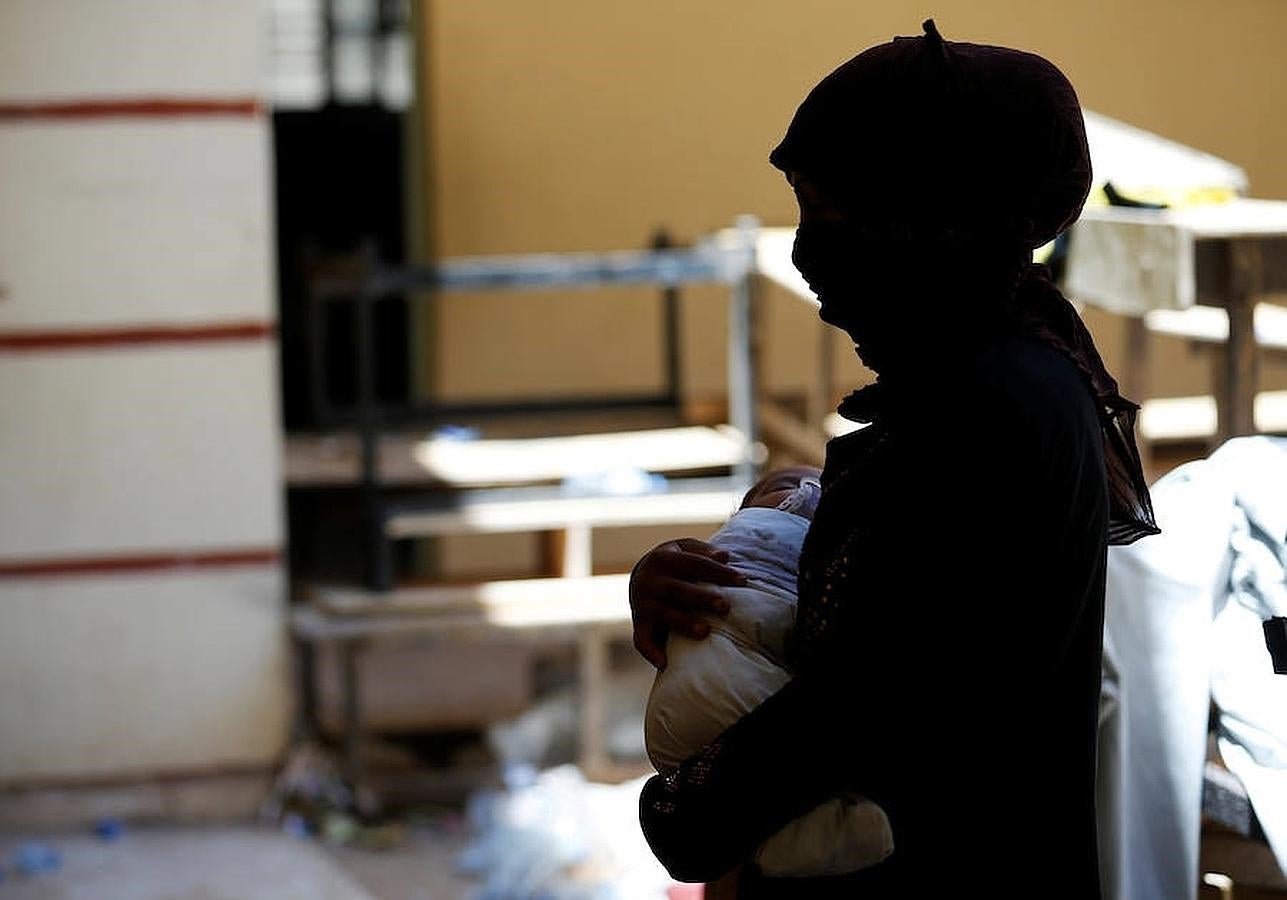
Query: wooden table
{"x":1227,"y":256}
{"x":588,"y":611}
{"x":1199,"y":273}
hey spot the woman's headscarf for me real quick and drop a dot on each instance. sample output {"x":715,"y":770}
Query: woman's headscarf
{"x":975,"y":146}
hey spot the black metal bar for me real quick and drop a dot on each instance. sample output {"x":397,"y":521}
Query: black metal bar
{"x":543,"y":271}
{"x":587,"y":403}
{"x":304,"y":661}
{"x":382,"y":561}
{"x":368,"y":422}
{"x":742,"y":353}
{"x":315,"y":339}
{"x":327,"y":61}
{"x":428,"y":415}
{"x":705,"y":263}
{"x":351,"y":689}
{"x":384,"y":26}
{"x":456,"y":500}
{"x":670,"y":329}
{"x":729,"y":264}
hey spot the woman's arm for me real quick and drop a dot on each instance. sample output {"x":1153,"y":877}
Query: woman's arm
{"x":787,"y":756}
{"x":672,"y":585}
{"x":671,"y":589}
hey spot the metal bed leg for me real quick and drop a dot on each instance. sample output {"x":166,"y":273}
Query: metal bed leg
{"x":379,"y":553}
{"x":670,"y":329}
{"x":349,"y":652}
{"x":742,"y":341}
{"x":1135,"y":376}
{"x":305,"y":672}
{"x":1239,"y":370}
{"x":592,"y":683}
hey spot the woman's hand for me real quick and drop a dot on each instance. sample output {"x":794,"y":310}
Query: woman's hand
{"x":671,"y":587}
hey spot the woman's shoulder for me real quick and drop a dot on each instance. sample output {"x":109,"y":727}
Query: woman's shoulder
{"x":1025,"y":377}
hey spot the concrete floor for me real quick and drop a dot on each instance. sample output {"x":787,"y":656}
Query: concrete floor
{"x":421,"y":869}
{"x":232,"y":863}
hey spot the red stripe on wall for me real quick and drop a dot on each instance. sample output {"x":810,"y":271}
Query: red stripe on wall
{"x":136,"y":108}
{"x":139,"y":564}
{"x":82,"y":338}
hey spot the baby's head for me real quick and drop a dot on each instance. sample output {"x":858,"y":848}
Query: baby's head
{"x":777,"y":487}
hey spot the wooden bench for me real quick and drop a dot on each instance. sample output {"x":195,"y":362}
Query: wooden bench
{"x":589,"y":612}
{"x":565,"y":519}
{"x":1197,"y":418}
{"x":510,"y":481}
{"x":412,"y":458}
{"x":571,"y":606}
{"x":1210,"y":325}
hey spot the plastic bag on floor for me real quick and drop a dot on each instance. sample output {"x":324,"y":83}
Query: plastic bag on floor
{"x":547,"y":733}
{"x":556,"y":836}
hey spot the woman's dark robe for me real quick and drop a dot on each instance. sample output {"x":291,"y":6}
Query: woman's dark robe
{"x":947,"y":649}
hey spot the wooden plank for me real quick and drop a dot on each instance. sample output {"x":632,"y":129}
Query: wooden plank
{"x":567,"y":552}
{"x":1134,"y":370}
{"x":553,"y":549}
{"x":406,"y":686}
{"x":1210,"y":325}
{"x":550,"y":459}
{"x":477,"y":599}
{"x":313,"y":460}
{"x":520,"y":623}
{"x":555,"y":511}
{"x":1196,"y":418}
{"x":1243,"y":217}
{"x":1132,"y":261}
{"x":1177,"y":419}
{"x":578,"y":552}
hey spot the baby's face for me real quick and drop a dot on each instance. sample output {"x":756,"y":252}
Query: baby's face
{"x":776,"y":486}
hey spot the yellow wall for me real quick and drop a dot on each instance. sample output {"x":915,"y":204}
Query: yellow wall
{"x":583,"y":124}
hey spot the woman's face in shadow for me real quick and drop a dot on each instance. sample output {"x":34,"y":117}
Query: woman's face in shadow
{"x":817,"y":245}
{"x":842,"y":264}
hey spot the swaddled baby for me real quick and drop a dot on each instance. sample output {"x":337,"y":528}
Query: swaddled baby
{"x":709,"y":684}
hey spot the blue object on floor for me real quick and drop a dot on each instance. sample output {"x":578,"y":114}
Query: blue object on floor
{"x":109,"y":828}
{"x":36,"y":858}
{"x":296,"y":826}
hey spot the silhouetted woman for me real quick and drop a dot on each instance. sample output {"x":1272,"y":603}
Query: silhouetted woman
{"x":947,"y":645}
